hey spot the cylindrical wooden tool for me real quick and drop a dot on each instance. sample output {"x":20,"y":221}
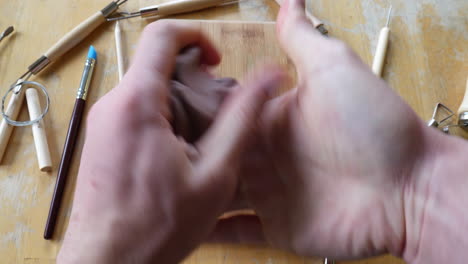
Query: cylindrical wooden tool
{"x":38,"y":129}
{"x":381,"y":52}
{"x":119,"y":51}
{"x":179,"y":7}
{"x":74,"y":37}
{"x":463,"y":110}
{"x":12,"y":110}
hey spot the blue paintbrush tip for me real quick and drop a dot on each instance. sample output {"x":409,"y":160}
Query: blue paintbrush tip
{"x":92,"y":53}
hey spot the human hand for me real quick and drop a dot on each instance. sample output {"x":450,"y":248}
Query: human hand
{"x":342,"y":160}
{"x":142,"y":193}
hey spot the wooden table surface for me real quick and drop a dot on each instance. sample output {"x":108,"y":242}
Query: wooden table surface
{"x":428,"y":63}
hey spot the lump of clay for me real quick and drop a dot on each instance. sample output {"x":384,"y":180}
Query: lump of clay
{"x":195,"y":95}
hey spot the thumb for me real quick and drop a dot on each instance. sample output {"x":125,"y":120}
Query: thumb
{"x":223,"y":144}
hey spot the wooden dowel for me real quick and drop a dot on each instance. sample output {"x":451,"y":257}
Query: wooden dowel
{"x":38,"y":130}
{"x":381,"y":52}
{"x":119,"y":51}
{"x":12,"y":110}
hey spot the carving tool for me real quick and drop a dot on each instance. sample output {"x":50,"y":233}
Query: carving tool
{"x":12,"y":110}
{"x":317,"y":23}
{"x":382,"y":46}
{"x":38,"y":130}
{"x":72,"y":38}
{"x":172,"y":8}
{"x":7,"y":32}
{"x":72,"y":135}
{"x":463,"y":110}
{"x":119,"y":51}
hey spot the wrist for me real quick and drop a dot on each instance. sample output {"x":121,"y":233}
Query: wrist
{"x":435,"y":202}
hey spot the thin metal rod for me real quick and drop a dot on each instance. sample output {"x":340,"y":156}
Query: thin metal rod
{"x":389,"y":16}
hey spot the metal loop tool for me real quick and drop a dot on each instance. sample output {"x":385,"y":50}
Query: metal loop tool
{"x":18,"y":88}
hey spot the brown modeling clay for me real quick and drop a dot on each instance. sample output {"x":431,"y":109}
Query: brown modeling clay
{"x":195,"y":95}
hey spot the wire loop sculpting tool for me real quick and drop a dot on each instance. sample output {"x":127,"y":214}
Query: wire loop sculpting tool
{"x":172,"y":8}
{"x":436,"y":123}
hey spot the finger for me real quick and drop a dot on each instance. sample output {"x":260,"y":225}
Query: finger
{"x":163,"y":40}
{"x":153,"y":64}
{"x":295,"y":32}
{"x":240,"y":230}
{"x":224,"y":142}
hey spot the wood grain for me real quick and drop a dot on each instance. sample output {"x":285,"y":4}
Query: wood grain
{"x":426,"y":63}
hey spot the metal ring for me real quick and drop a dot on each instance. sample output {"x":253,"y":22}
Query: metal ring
{"x":23,"y":85}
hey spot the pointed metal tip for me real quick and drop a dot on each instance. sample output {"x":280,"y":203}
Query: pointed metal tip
{"x":389,"y":15}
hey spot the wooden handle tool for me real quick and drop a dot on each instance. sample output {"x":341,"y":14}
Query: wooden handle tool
{"x":179,"y":7}
{"x":382,"y":46}
{"x":38,"y":130}
{"x":119,"y":51}
{"x":73,"y":37}
{"x":12,"y":110}
{"x":463,"y":110}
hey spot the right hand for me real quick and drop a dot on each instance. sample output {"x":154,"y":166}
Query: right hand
{"x":343,"y":161}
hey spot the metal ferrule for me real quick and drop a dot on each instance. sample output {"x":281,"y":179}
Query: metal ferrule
{"x":109,"y":9}
{"x":149,"y":11}
{"x":86,"y":79}
{"x":463,"y":120}
{"x":38,"y":65}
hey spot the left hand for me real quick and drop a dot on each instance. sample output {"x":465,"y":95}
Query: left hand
{"x":142,"y":193}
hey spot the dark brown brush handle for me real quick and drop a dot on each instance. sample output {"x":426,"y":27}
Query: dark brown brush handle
{"x":65,"y":163}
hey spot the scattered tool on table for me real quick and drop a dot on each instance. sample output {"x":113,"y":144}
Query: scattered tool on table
{"x":317,"y":23}
{"x":12,"y":110}
{"x":382,"y":46}
{"x":7,"y":32}
{"x":172,"y":8}
{"x":437,"y":123}
{"x":72,"y":38}
{"x":119,"y":50}
{"x":38,"y":130}
{"x":70,"y":141}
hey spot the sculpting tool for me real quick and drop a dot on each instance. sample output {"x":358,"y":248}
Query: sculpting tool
{"x":69,"y":147}
{"x":72,"y":38}
{"x":38,"y":129}
{"x":119,"y":51}
{"x":382,"y":46}
{"x":12,"y":110}
{"x":172,"y":8}
{"x":7,"y":32}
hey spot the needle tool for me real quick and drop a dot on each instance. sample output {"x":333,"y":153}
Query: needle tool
{"x":172,"y":8}
{"x":382,"y":46}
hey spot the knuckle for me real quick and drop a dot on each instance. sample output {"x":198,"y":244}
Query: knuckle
{"x":339,"y":50}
